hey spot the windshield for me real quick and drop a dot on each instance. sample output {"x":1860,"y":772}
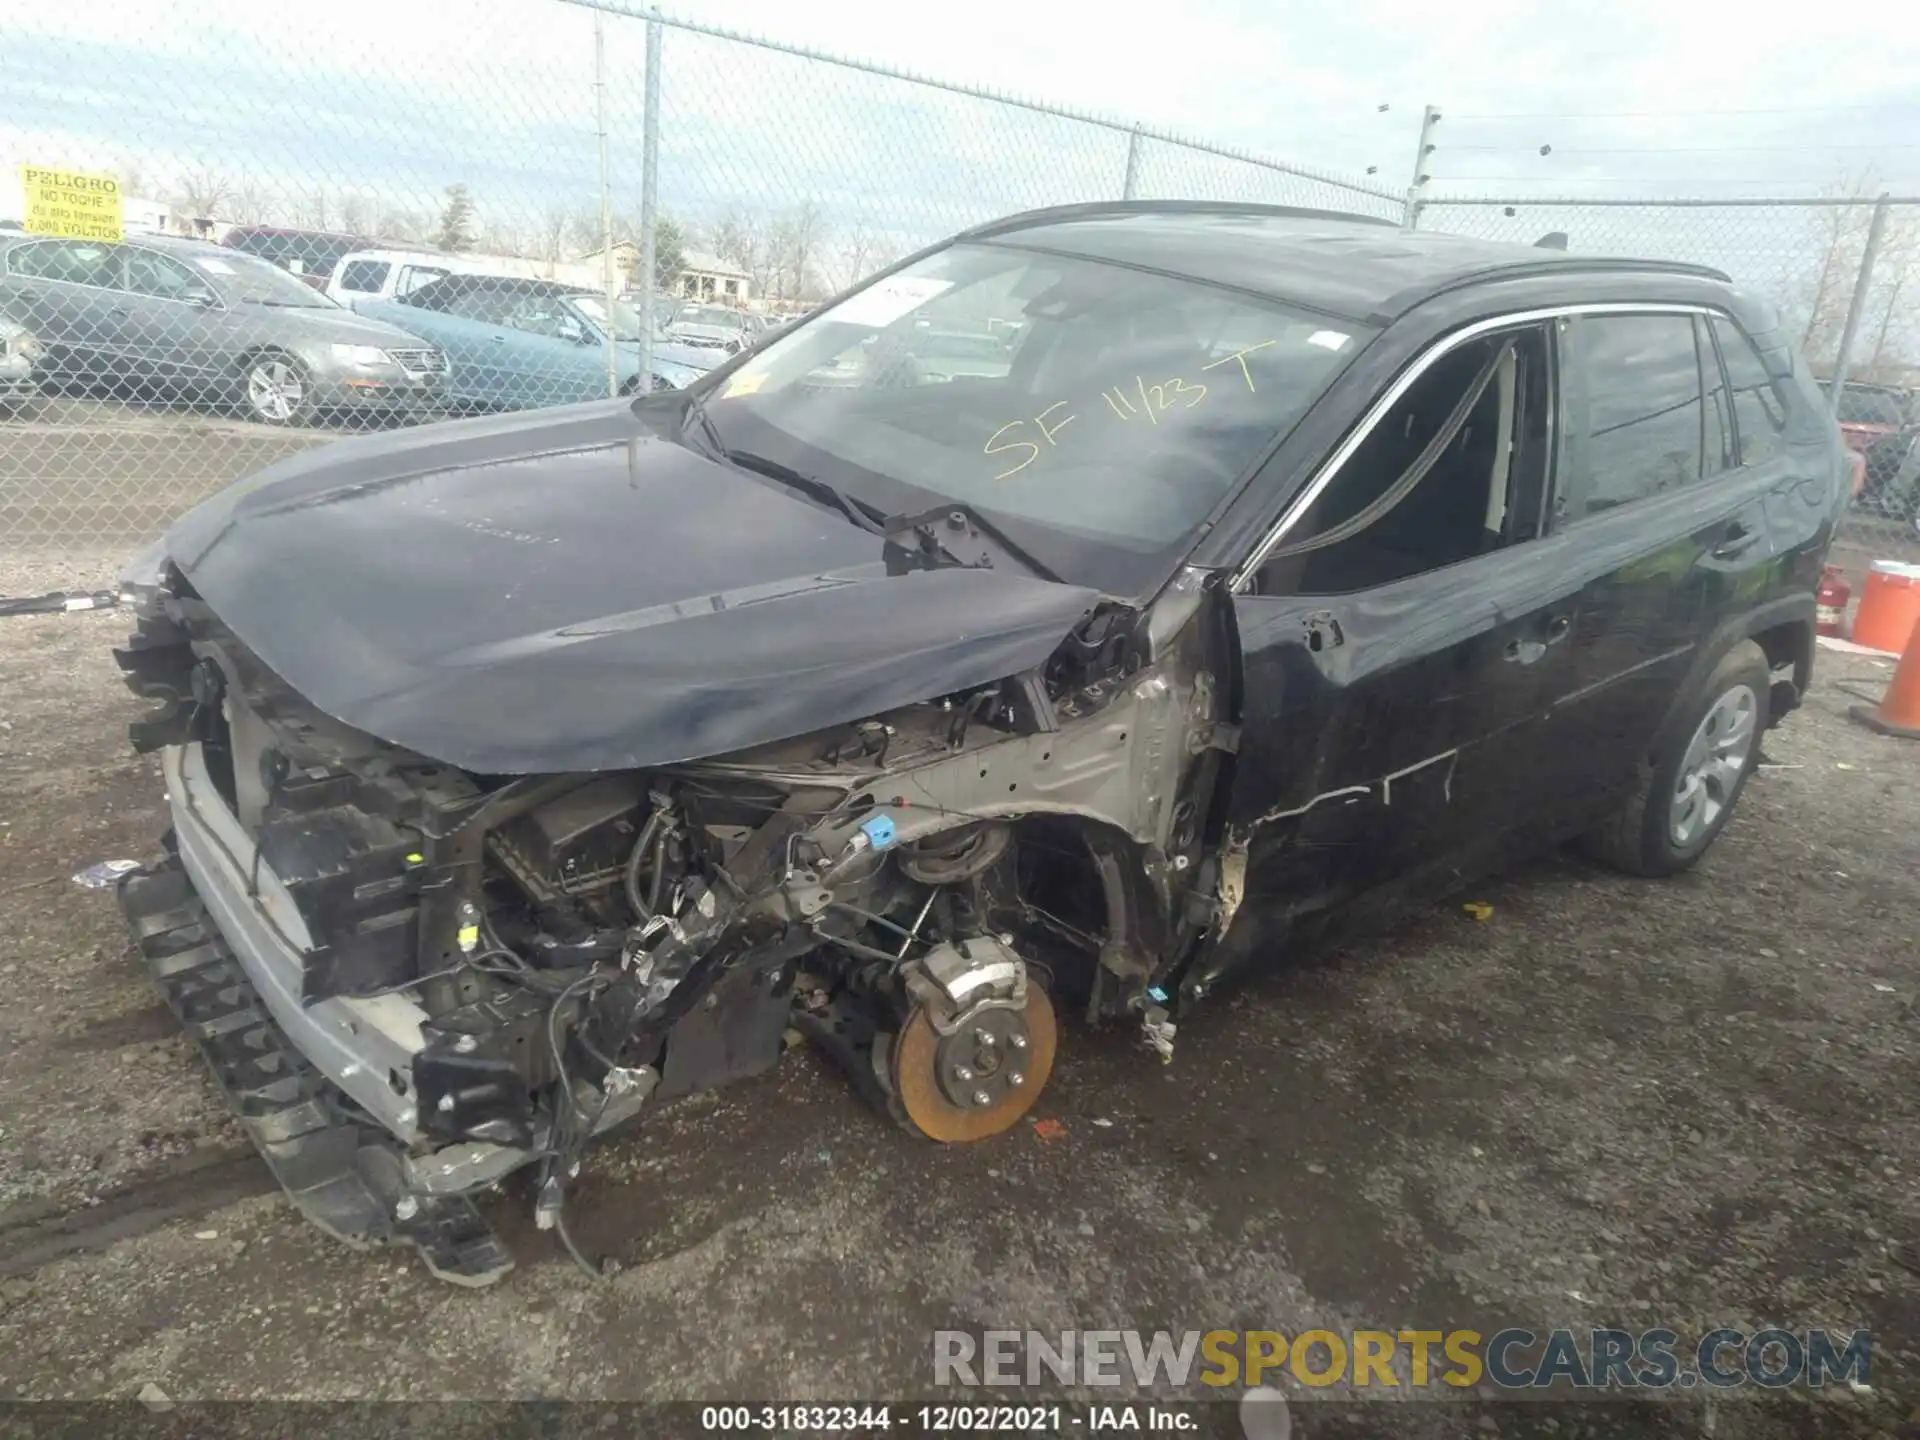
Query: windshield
{"x":627,"y":324}
{"x":248,"y":281}
{"x":1105,"y":408}
{"x":709,"y":315}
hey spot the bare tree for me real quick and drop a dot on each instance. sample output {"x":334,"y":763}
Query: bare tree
{"x":859,"y":254}
{"x":553,"y":234}
{"x":1894,"y":269}
{"x":356,"y":213}
{"x":312,"y":209}
{"x":400,"y":224}
{"x":250,"y":204}
{"x":742,"y":239}
{"x":201,"y":192}
{"x":1827,"y":288}
{"x":796,"y":241}
{"x":583,"y":230}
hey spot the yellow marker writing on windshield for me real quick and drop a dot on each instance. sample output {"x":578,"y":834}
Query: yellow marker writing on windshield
{"x":996,"y":446}
{"x":1240,"y":356}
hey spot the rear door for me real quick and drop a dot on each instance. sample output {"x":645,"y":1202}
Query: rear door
{"x":1659,"y":527}
{"x":1397,"y":644}
{"x":66,"y":292}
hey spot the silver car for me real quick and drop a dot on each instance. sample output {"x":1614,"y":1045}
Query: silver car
{"x":181,"y":318}
{"x":19,"y":359}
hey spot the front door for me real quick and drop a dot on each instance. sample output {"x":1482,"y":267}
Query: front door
{"x":167,"y":329}
{"x":1397,"y":645}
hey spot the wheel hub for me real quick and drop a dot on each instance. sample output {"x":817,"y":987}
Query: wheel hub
{"x":976,"y":1045}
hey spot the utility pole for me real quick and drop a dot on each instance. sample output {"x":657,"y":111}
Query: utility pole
{"x":1417,"y":187}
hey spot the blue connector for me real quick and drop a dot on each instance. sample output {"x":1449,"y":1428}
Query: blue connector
{"x":879,"y":831}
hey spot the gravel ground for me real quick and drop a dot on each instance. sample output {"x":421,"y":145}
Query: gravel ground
{"x":1690,"y":1103}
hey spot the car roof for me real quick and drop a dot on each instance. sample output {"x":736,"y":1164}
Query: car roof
{"x":1353,"y":266}
{"x":398,"y":257}
{"x":525,"y":284}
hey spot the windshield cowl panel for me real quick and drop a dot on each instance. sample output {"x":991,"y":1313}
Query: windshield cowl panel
{"x":1096,"y":414}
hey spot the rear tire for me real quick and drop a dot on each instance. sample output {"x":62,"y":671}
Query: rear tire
{"x":1696,"y":774}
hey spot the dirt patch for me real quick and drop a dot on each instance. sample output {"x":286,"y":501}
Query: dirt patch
{"x":1693,"y":1103}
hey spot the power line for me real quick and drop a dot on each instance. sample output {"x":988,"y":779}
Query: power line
{"x":1646,"y":180}
{"x":1685,"y":149}
{"x":1678,"y":114}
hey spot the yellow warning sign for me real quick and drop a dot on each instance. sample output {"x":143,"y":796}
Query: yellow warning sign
{"x":71,"y":203}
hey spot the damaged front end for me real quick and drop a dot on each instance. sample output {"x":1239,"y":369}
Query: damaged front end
{"x":414,"y":978}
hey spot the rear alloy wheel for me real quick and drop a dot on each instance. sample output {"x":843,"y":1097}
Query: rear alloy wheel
{"x":277,"y":390}
{"x":1697,"y":773}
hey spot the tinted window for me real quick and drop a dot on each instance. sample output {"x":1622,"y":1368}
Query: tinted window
{"x":1719,"y":451}
{"x":493,"y":307}
{"x":364,"y":277}
{"x":151,"y":274}
{"x":75,"y":261}
{"x":412,"y":277}
{"x":1456,"y":469}
{"x":1759,"y":409}
{"x":1640,"y":434}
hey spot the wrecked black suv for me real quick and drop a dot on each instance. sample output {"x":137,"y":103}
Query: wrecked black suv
{"x":1083,"y":611}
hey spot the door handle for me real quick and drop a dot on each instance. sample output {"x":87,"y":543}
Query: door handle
{"x":1559,"y":628}
{"x":496,"y":339}
{"x":1735,"y":541}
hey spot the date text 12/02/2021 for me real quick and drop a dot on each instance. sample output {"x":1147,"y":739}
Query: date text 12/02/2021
{"x":1127,"y":402}
{"x":949,"y":1419}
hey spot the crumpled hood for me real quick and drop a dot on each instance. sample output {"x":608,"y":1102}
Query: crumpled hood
{"x":559,"y":591}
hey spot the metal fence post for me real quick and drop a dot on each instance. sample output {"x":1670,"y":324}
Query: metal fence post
{"x":1417,"y":187}
{"x":606,"y":198}
{"x":1130,"y":187}
{"x":649,"y":199}
{"x":1862,"y":283}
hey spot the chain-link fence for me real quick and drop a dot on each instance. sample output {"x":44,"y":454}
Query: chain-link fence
{"x":232,"y":239}
{"x":401,"y":211}
{"x":1844,"y":273}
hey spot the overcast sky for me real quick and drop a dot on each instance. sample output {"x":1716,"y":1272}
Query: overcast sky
{"x":400,"y":98}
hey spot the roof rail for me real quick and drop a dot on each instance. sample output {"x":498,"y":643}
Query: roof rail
{"x":1093,"y":209}
{"x":1538,"y":264}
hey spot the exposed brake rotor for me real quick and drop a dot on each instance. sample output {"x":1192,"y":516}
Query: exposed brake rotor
{"x":982,"y":1077}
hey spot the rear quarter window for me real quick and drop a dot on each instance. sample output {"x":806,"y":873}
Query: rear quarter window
{"x":1760,"y":408}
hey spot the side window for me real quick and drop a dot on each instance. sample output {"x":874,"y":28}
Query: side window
{"x":412,"y":277}
{"x":1719,"y":455}
{"x":1457,"y":468}
{"x":363,"y":277}
{"x":1634,"y":411}
{"x":156,"y":275}
{"x":74,"y":261}
{"x":490,"y":307}
{"x":1759,"y":410}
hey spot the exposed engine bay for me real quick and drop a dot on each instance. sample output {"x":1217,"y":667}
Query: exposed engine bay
{"x":492,"y":969}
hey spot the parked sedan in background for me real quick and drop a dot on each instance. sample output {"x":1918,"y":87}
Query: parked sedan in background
{"x":517,"y":344}
{"x":182,"y":318}
{"x":714,"y":328}
{"x":19,"y":361}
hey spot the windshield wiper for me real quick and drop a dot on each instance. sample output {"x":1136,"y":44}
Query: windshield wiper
{"x":868,"y":517}
{"x":927,"y":528}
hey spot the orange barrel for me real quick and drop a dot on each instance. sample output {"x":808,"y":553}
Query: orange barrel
{"x":1889,"y":606}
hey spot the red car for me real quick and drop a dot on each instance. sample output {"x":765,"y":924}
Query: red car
{"x":1870,"y":412}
